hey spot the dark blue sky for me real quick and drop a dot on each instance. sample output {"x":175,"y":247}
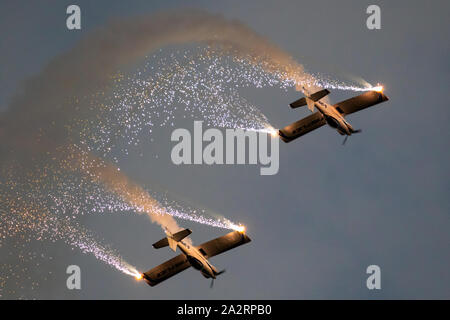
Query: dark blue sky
{"x":331,"y":210}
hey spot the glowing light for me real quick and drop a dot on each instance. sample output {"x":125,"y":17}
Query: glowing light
{"x":270,"y":130}
{"x":138,"y":277}
{"x":239,"y":228}
{"x":273,"y":132}
{"x":378,"y":88}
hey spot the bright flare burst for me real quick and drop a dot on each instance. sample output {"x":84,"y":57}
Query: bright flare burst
{"x":239,"y":228}
{"x":273,"y":132}
{"x":378,"y":88}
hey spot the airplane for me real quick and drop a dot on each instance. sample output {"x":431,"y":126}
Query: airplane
{"x":333,"y":115}
{"x":195,"y":256}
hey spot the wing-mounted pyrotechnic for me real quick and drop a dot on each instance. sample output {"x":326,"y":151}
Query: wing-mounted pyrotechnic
{"x":333,"y":115}
{"x":192,"y":256}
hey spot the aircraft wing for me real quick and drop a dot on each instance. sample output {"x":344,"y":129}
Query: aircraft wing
{"x":166,"y":270}
{"x":360,"y":102}
{"x":301,"y":127}
{"x":229,"y":241}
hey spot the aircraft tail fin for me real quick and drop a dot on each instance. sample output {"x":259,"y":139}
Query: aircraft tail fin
{"x":172,"y":244}
{"x":172,"y":239}
{"x":310,"y":103}
{"x":314,"y":97}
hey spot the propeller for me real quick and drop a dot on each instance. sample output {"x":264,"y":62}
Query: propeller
{"x":345,"y":140}
{"x":212,"y":280}
{"x":220,"y":272}
{"x":346,"y":137}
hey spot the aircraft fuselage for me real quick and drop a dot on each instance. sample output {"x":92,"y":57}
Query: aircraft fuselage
{"x":197,"y":260}
{"x":334,"y":118}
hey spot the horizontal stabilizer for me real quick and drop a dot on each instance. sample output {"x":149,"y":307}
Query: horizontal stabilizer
{"x":180,"y":235}
{"x":314,"y":97}
{"x":161,"y":243}
{"x":172,"y":239}
{"x":298,"y":103}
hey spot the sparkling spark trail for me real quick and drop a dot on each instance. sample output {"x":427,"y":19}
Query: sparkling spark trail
{"x":26,"y":213}
{"x":329,"y":83}
{"x":121,"y":43}
{"x":199,"y":83}
{"x":187,"y":212}
{"x":46,"y":226}
{"x":122,"y":194}
{"x":44,"y":202}
{"x":48,"y":199}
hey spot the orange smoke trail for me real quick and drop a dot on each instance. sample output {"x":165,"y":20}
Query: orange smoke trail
{"x":118,"y":183}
